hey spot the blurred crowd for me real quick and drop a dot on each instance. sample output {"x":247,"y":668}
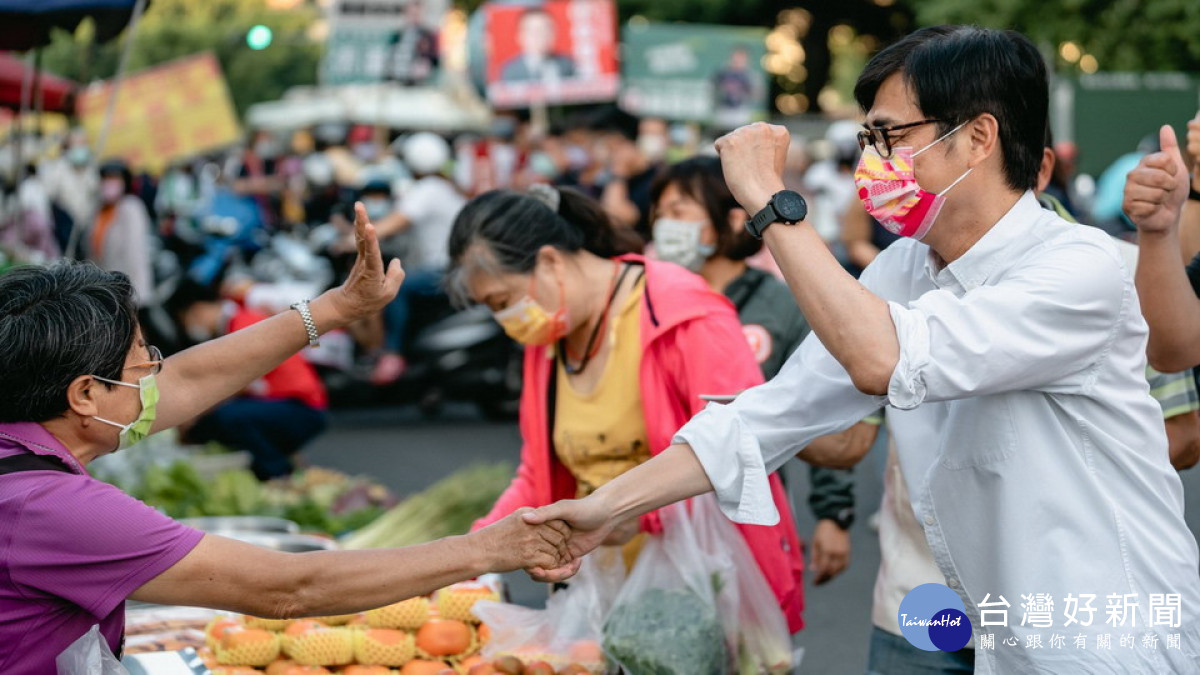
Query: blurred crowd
{"x":259,"y":227}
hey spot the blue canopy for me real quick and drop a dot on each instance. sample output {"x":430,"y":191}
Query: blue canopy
{"x":26,"y":24}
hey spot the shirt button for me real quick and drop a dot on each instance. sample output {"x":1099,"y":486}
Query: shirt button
{"x":929,"y":520}
{"x":953,"y":582}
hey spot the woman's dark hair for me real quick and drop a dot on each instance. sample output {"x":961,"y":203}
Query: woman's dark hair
{"x":957,"y":73}
{"x":56,"y":324}
{"x":702,"y":179}
{"x":514,"y":226}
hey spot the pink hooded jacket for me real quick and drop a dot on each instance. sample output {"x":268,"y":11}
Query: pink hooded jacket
{"x":692,"y":344}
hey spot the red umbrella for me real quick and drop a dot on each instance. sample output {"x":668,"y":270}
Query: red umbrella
{"x":55,"y":90}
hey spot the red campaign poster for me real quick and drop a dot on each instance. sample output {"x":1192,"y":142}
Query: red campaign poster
{"x":554,"y":52}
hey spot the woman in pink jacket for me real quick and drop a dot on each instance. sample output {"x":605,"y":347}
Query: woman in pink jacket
{"x":619,"y":350}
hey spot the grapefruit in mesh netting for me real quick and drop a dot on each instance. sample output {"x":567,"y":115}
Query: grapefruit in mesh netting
{"x":409,"y":614}
{"x":445,"y":638}
{"x":384,"y":647}
{"x":455,"y":602}
{"x":249,"y":647}
{"x":323,"y":647}
{"x":275,"y":625}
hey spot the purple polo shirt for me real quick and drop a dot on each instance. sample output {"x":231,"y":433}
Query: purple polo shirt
{"x":72,"y":548}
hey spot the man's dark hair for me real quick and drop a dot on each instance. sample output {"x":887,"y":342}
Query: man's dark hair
{"x":957,"y":73}
{"x":57,"y":323}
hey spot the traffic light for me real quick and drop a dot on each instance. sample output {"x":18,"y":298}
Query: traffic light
{"x":259,"y":37}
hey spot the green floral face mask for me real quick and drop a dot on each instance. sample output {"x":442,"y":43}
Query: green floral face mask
{"x":138,"y":429}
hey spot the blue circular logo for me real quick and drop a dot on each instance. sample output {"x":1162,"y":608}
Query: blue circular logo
{"x":932,"y":617}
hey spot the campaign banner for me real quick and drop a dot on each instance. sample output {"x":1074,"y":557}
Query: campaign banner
{"x":374,"y":41}
{"x":172,"y":111}
{"x":554,"y":52}
{"x":695,"y":73}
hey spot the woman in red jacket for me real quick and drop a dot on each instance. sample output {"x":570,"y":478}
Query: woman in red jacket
{"x":619,"y":350}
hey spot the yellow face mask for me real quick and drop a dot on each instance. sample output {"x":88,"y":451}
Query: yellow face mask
{"x":529,"y":323}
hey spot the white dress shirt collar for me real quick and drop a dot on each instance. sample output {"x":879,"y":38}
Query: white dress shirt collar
{"x":992,"y":251}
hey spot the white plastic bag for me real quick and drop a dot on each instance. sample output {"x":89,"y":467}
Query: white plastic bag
{"x":568,"y":630}
{"x":667,"y":619}
{"x":89,"y":655}
{"x":763,"y":642}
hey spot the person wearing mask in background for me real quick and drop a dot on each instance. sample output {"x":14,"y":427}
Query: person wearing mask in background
{"x":699,"y":226}
{"x":73,"y":184}
{"x":275,"y":415}
{"x":632,"y":153}
{"x":427,"y":210}
{"x":257,"y":174}
{"x":120,"y":238}
{"x":1016,"y":333}
{"x":619,"y":350}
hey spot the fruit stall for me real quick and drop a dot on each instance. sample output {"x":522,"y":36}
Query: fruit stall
{"x":726,"y":623}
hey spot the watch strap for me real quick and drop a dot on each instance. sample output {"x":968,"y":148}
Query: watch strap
{"x":763,"y":219}
{"x":310,"y":326}
{"x":1193,"y":193}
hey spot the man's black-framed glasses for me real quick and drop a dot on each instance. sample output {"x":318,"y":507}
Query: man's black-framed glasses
{"x":881,"y":137}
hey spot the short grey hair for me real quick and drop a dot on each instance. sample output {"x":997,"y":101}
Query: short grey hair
{"x":56,"y":324}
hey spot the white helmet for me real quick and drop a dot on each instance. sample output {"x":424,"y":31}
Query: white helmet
{"x":426,"y":153}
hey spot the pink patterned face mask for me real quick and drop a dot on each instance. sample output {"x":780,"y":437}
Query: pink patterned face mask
{"x":889,"y":190}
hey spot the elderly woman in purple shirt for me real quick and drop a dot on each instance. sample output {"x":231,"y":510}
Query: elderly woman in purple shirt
{"x":79,"y":382}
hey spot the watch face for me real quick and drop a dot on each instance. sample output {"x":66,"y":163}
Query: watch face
{"x":790,"y":206}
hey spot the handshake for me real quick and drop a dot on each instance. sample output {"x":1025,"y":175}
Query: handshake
{"x":550,"y":542}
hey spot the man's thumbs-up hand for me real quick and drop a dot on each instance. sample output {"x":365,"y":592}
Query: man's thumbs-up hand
{"x":1156,"y":190}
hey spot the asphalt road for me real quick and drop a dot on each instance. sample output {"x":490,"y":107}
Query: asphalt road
{"x":407,"y":453}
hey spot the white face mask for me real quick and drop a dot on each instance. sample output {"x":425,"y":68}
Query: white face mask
{"x":377,"y":209}
{"x":678,"y":241}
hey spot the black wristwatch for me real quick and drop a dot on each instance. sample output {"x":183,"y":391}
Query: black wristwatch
{"x":785,"y":207}
{"x":844,"y":518}
{"x":1193,"y":194}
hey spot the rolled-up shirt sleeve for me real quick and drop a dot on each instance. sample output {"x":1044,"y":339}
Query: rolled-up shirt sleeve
{"x":1044,"y":328}
{"x":742,"y":443}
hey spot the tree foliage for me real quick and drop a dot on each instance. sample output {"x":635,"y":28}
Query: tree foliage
{"x":1120,"y":34}
{"x":174,"y":28}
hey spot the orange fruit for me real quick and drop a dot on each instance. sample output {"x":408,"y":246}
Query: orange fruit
{"x":384,"y":647}
{"x":279,"y":667}
{"x":484,"y":633}
{"x":586,"y":651}
{"x":455,"y":602}
{"x":323,"y":647}
{"x":216,"y":629}
{"x":477,"y":666}
{"x":423,"y":667}
{"x":409,"y":614}
{"x":266,"y":624}
{"x":336,"y":620}
{"x":539,"y":668}
{"x":249,"y":647}
{"x":367,"y":670}
{"x":444,"y":637}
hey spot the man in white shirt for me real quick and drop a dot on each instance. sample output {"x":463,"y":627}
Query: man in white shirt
{"x":1050,"y":481}
{"x":427,"y":210}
